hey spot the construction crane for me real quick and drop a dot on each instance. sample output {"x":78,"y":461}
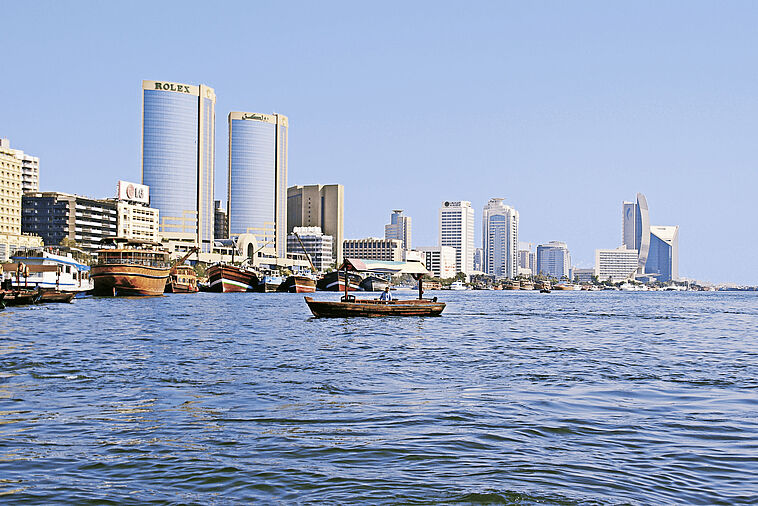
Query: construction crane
{"x":313,"y":268}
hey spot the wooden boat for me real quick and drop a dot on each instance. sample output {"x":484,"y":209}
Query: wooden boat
{"x":268,"y":283}
{"x":182,"y":278}
{"x":348,"y":305}
{"x":365,"y":307}
{"x":562,"y":286}
{"x":373,"y":284}
{"x":512,"y":285}
{"x":542,"y":286}
{"x":527,"y":285}
{"x":52,"y":295}
{"x":20,"y":297}
{"x":335,"y":282}
{"x":298,"y":284}
{"x":131,"y":268}
{"x":231,"y":278}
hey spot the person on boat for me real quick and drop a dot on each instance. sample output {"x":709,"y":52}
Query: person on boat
{"x":386,"y":295}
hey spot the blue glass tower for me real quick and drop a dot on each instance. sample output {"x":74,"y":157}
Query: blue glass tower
{"x":178,"y":157}
{"x":258,"y":179}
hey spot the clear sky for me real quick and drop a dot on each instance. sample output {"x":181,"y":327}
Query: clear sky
{"x":565,"y":109}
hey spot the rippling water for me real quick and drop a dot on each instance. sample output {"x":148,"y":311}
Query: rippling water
{"x":509,"y":397}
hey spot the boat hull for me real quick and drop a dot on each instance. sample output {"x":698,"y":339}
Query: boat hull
{"x":56,"y":296}
{"x":176,"y":287}
{"x":298,"y":284}
{"x":371,"y":308}
{"x":334,"y":282}
{"x":129,"y":279}
{"x":230,"y":278}
{"x":373,"y":284}
{"x":20,"y":297}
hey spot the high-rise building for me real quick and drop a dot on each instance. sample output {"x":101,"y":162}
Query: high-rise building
{"x":553,"y":259}
{"x":478,"y":259}
{"x":527,"y":260}
{"x":258,"y":179}
{"x":372,"y":248}
{"x":456,"y":229}
{"x":663,"y":259}
{"x":178,"y":157}
{"x":319,"y":206}
{"x":315,"y":243}
{"x":11,"y":223}
{"x":29,"y":168}
{"x":636,"y":229}
{"x":440,"y":261}
{"x":55,"y":216}
{"x":615,"y":264}
{"x":657,"y":247}
{"x":500,"y":239}
{"x":399,"y":228}
{"x":220,"y":221}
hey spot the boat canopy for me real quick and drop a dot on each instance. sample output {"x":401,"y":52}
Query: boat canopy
{"x":411,"y":267}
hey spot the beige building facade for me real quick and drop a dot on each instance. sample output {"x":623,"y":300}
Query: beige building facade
{"x":617,"y":264}
{"x":373,"y":248}
{"x":319,"y":206}
{"x":11,"y":187}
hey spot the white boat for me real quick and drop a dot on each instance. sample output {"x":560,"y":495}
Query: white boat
{"x":458,"y":285}
{"x":51,"y":268}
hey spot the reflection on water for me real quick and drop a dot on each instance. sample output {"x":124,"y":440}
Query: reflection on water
{"x":521,"y":397}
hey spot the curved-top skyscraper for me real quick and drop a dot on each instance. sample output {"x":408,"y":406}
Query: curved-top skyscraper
{"x":178,"y":156}
{"x":636,"y":233}
{"x":258,"y":179}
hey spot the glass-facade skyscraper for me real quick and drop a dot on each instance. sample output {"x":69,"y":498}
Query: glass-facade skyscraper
{"x":636,"y":229}
{"x":500,"y":239}
{"x":178,"y":157}
{"x":258,"y":179}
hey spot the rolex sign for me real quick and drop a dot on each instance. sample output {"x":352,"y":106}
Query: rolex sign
{"x":133,"y":192}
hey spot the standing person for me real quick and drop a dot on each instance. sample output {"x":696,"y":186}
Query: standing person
{"x":386,"y":295}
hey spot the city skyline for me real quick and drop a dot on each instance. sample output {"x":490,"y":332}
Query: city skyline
{"x":675,"y":121}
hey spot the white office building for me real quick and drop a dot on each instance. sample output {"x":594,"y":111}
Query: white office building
{"x":314,"y":243}
{"x":617,"y":264}
{"x":553,"y":259}
{"x":456,"y":229}
{"x":440,"y":261}
{"x":399,"y":228}
{"x":500,"y":239}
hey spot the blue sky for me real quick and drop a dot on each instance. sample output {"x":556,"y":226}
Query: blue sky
{"x":565,"y":109}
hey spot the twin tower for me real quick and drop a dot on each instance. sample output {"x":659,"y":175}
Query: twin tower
{"x":178,"y":163}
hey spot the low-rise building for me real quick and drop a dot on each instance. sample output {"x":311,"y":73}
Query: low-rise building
{"x":55,"y":216}
{"x":617,"y":264}
{"x":583,"y":275}
{"x":318,"y":246}
{"x":440,"y":261}
{"x":372,"y":248}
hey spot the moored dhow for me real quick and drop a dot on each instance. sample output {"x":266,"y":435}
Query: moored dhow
{"x":298,"y":284}
{"x":131,"y":267}
{"x":335,"y":282}
{"x":223,"y":277}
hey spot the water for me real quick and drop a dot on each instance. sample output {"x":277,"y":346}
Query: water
{"x":509,"y":397}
